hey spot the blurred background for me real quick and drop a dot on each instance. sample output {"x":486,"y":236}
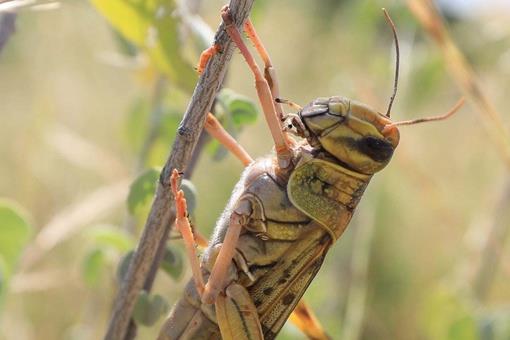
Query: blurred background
{"x":92,"y":92}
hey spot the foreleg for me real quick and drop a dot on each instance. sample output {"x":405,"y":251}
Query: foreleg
{"x":283,"y":151}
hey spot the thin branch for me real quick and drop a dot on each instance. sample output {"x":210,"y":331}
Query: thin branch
{"x":206,"y":37}
{"x":156,"y":115}
{"x":161,"y":215}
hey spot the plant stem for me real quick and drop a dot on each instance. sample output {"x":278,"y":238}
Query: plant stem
{"x":161,"y":215}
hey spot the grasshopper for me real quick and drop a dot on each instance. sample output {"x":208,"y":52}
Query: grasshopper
{"x":286,"y":211}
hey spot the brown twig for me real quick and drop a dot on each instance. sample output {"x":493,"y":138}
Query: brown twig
{"x":160,"y":88}
{"x":161,"y":215}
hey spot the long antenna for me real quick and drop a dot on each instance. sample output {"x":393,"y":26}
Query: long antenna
{"x":397,"y":66}
{"x":448,"y":114}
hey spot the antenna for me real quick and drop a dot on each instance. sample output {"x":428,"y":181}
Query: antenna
{"x":397,"y":66}
{"x":289,"y":103}
{"x":454,"y":109}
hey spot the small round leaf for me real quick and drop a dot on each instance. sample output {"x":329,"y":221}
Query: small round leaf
{"x":173,"y":263}
{"x":93,"y":266}
{"x":241,"y":109}
{"x":149,"y":308}
{"x":142,"y":190}
{"x":123,"y":266}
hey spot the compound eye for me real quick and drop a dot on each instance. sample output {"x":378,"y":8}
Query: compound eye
{"x":379,"y":150}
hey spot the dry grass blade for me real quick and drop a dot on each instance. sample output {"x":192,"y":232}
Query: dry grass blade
{"x":466,"y":78}
{"x":73,"y":218}
{"x":463,"y":74}
{"x":494,"y":246}
{"x":83,"y":153}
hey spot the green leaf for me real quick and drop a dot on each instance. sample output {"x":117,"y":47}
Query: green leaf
{"x":123,"y":266}
{"x":15,"y":232}
{"x":242,"y":110}
{"x":142,"y":191}
{"x":153,"y":26}
{"x":173,"y":263}
{"x":111,"y":237}
{"x":93,"y":266}
{"x":149,"y":308}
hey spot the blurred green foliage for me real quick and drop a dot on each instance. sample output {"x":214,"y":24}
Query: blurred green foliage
{"x":151,"y":26}
{"x":15,"y":233}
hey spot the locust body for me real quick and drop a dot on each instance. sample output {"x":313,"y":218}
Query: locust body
{"x":285,"y":212}
{"x":292,"y":217}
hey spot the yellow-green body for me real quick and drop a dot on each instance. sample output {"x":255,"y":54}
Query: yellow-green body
{"x":292,"y":217}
